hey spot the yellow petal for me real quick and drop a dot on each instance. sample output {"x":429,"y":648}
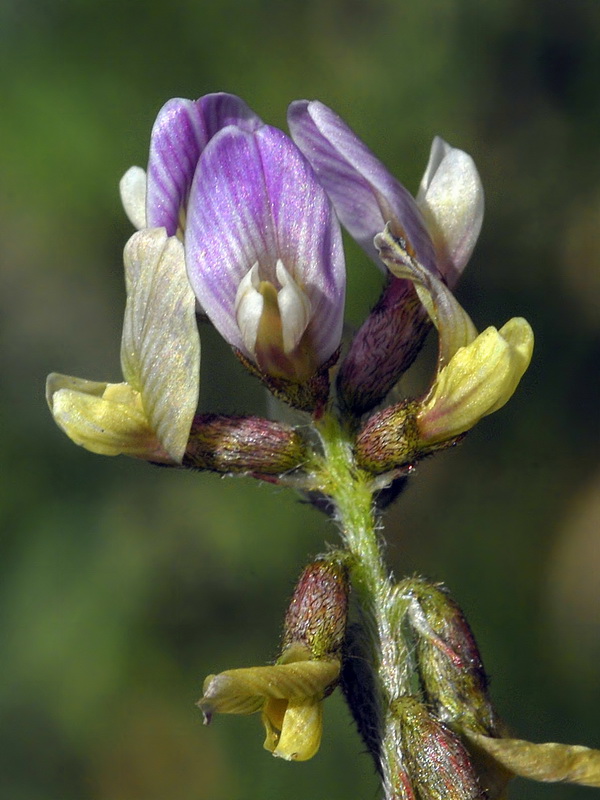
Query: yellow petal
{"x":301,"y":731}
{"x":544,"y":762}
{"x":479,"y":379}
{"x":242,"y":691}
{"x":160,"y":348}
{"x":105,"y":418}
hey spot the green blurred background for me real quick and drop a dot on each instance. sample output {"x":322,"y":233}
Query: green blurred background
{"x":123,"y":585}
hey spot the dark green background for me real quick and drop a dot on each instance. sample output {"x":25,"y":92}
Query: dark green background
{"x":123,"y":585}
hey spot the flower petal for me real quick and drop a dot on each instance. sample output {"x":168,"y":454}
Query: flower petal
{"x":132,"y":187}
{"x":365,"y":195}
{"x":160,"y":349}
{"x":301,"y":732}
{"x":454,"y":325}
{"x":551,"y":762}
{"x":242,"y":691}
{"x":255,"y":199}
{"x":451,"y":199}
{"x":479,"y":379}
{"x":105,"y":418}
{"x":181,"y":131}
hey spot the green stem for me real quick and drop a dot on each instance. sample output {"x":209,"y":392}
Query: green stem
{"x":351,"y":491}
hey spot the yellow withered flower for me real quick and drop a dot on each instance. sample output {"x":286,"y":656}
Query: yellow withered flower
{"x":149,"y":414}
{"x":477,"y":373}
{"x":289,"y":694}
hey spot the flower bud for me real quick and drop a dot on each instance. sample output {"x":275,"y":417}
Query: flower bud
{"x":316,"y":616}
{"x":383,"y":348}
{"x":437,"y":764}
{"x":448,"y":660}
{"x":290,"y":693}
{"x":389,"y":439}
{"x":243,"y":445}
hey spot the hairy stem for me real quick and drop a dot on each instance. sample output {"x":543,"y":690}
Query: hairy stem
{"x":350,"y":489}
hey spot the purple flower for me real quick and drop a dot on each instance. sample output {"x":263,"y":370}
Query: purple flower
{"x":440,"y":227}
{"x":264,"y":252}
{"x":180,"y":133}
{"x":263,"y":245}
{"x":441,"y":224}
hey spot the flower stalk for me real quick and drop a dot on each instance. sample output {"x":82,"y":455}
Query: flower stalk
{"x":351,"y":490}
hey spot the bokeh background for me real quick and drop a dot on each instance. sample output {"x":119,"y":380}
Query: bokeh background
{"x":123,"y":585}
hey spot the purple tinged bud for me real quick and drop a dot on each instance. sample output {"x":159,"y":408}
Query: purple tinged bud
{"x":384,"y":347}
{"x":247,"y":445}
{"x":317,"y":614}
{"x":389,"y":440}
{"x":437,"y":764}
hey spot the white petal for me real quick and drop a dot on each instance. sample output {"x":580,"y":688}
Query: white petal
{"x":249,"y":304}
{"x":160,"y":349}
{"x":294,"y":308}
{"x":451,"y":199}
{"x":132,"y":187}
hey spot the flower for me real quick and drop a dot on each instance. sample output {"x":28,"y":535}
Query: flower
{"x":289,"y":694}
{"x":263,"y":246}
{"x":149,"y":415}
{"x":477,"y":373}
{"x":440,"y":227}
{"x":455,"y":692}
{"x":180,"y":133}
{"x":264,"y":252}
{"x":443,"y":222}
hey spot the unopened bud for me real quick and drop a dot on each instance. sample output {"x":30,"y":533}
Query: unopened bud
{"x":389,"y":440}
{"x":449,"y":663}
{"x":243,"y":445}
{"x":317,"y":614}
{"x":438,"y":766}
{"x":384,"y":347}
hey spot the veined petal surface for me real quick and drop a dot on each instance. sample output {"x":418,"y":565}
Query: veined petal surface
{"x":255,"y":200}
{"x":105,"y":418}
{"x":479,"y":380}
{"x":364,"y":193}
{"x":181,"y":131}
{"x":454,"y":325}
{"x":451,"y":199}
{"x":301,"y":731}
{"x":160,"y":348}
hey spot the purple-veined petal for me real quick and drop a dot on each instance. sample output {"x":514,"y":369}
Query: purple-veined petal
{"x":452,"y":202}
{"x":181,"y":131}
{"x":255,"y":199}
{"x":365,"y":195}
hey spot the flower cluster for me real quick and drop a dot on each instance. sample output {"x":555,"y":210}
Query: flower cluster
{"x":242,"y":223}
